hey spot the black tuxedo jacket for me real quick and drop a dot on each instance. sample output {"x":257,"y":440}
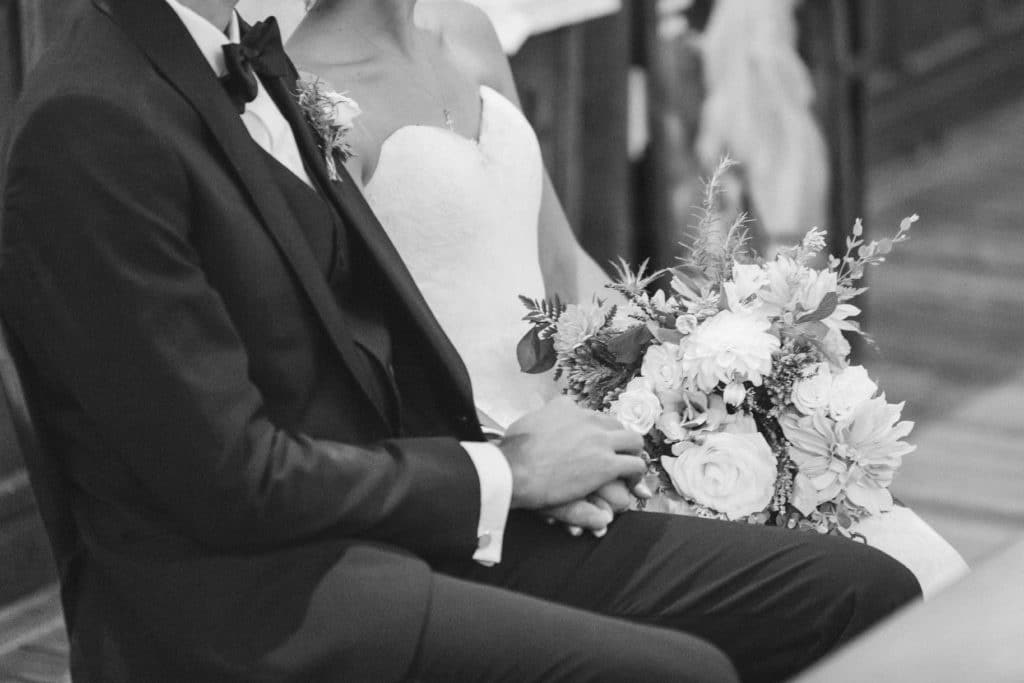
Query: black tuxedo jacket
{"x":240,"y":483}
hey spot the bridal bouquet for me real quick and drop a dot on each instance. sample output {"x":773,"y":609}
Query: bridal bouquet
{"x":738,"y":375}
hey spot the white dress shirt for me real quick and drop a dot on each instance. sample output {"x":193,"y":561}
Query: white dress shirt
{"x":269,"y":128}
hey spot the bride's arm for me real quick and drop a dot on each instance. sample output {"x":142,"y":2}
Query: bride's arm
{"x":567,"y":269}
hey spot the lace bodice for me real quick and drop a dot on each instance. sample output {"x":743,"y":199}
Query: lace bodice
{"x":463,"y":214}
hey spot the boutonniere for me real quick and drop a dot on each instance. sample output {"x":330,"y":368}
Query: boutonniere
{"x":330,"y":114}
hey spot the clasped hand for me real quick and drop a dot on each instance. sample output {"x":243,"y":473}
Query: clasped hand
{"x":574,"y":466}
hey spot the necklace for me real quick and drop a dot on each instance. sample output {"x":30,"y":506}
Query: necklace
{"x":449,"y":117}
{"x":437,"y":95}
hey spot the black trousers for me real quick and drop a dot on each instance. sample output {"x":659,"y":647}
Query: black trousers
{"x":660,"y":598}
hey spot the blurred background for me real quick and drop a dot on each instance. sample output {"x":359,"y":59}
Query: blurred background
{"x":836,"y":109}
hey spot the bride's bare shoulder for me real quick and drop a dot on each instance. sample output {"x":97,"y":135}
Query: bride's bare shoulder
{"x":468,"y":32}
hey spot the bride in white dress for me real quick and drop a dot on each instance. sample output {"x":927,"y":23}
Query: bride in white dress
{"x":454,"y":171}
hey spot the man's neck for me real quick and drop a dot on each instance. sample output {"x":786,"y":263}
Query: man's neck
{"x":217,"y":12}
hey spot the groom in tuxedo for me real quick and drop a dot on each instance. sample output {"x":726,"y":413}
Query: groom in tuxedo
{"x":268,"y":446}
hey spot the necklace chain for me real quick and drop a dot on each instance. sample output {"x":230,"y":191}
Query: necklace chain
{"x":449,"y":117}
{"x":438,"y":96}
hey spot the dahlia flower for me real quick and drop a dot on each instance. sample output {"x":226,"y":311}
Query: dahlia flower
{"x":726,"y":348}
{"x":857,"y":457}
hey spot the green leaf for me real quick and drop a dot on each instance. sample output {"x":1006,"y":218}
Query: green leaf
{"x":812,"y":330}
{"x":827,"y":307}
{"x":535,"y":355}
{"x":630,"y":346}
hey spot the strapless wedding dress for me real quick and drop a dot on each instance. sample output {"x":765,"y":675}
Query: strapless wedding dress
{"x":463,"y":214}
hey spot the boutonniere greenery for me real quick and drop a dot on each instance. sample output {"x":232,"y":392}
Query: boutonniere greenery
{"x":330,"y":114}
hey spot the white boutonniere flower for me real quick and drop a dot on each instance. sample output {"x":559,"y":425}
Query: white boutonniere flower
{"x":331,"y":115}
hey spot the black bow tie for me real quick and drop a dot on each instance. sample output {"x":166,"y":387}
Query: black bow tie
{"x":259,"y":53}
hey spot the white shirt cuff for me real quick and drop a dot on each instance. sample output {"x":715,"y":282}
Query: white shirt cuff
{"x":495,"y":499}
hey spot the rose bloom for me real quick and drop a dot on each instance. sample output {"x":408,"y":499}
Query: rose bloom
{"x":661,"y":365}
{"x":686,"y":323}
{"x":859,"y":456}
{"x":637,"y":408}
{"x":733,"y":474}
{"x":728,"y":347}
{"x":576,"y":325}
{"x":812,"y":394}
{"x":849,"y":389}
{"x":344,"y":109}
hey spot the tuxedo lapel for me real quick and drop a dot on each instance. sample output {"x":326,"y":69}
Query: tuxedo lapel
{"x":154,"y":27}
{"x":351,"y":204}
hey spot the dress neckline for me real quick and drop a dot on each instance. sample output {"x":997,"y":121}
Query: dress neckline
{"x":485,"y":93}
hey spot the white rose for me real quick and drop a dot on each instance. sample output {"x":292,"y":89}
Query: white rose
{"x":345,"y":109}
{"x":637,"y":408}
{"x":812,"y":394}
{"x":850,"y":388}
{"x":662,"y":366}
{"x":686,"y":323}
{"x":731,"y":473}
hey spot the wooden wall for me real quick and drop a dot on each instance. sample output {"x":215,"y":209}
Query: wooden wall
{"x":933,"y":64}
{"x":573,"y":84}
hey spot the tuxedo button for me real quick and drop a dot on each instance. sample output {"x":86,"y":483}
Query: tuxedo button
{"x":483,"y":542}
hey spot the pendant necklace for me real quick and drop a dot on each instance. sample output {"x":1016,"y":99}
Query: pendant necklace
{"x":449,"y":117}
{"x":439,"y":96}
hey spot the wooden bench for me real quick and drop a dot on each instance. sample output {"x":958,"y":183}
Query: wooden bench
{"x":33,"y":640}
{"x":34,"y":632}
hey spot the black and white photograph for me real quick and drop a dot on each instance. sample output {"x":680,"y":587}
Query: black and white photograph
{"x":522,"y":341}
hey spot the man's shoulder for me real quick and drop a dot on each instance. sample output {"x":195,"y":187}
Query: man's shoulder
{"x":91,"y":65}
{"x":90,"y":59}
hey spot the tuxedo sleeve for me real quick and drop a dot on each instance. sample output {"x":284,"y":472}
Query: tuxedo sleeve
{"x":105,"y":290}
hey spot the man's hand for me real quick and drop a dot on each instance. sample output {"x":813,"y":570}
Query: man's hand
{"x":599,"y":509}
{"x":562,"y":453}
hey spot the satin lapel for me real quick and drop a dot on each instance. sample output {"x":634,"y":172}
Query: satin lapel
{"x":352,"y":206}
{"x":157,"y":31}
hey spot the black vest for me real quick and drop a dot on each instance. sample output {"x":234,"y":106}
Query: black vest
{"x":366,"y":315}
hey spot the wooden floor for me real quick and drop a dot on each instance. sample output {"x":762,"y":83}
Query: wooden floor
{"x":948,"y":316}
{"x":947,"y":313}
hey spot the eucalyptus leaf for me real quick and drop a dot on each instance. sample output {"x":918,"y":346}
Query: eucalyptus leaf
{"x":827,"y":307}
{"x":630,"y":346}
{"x":535,"y":355}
